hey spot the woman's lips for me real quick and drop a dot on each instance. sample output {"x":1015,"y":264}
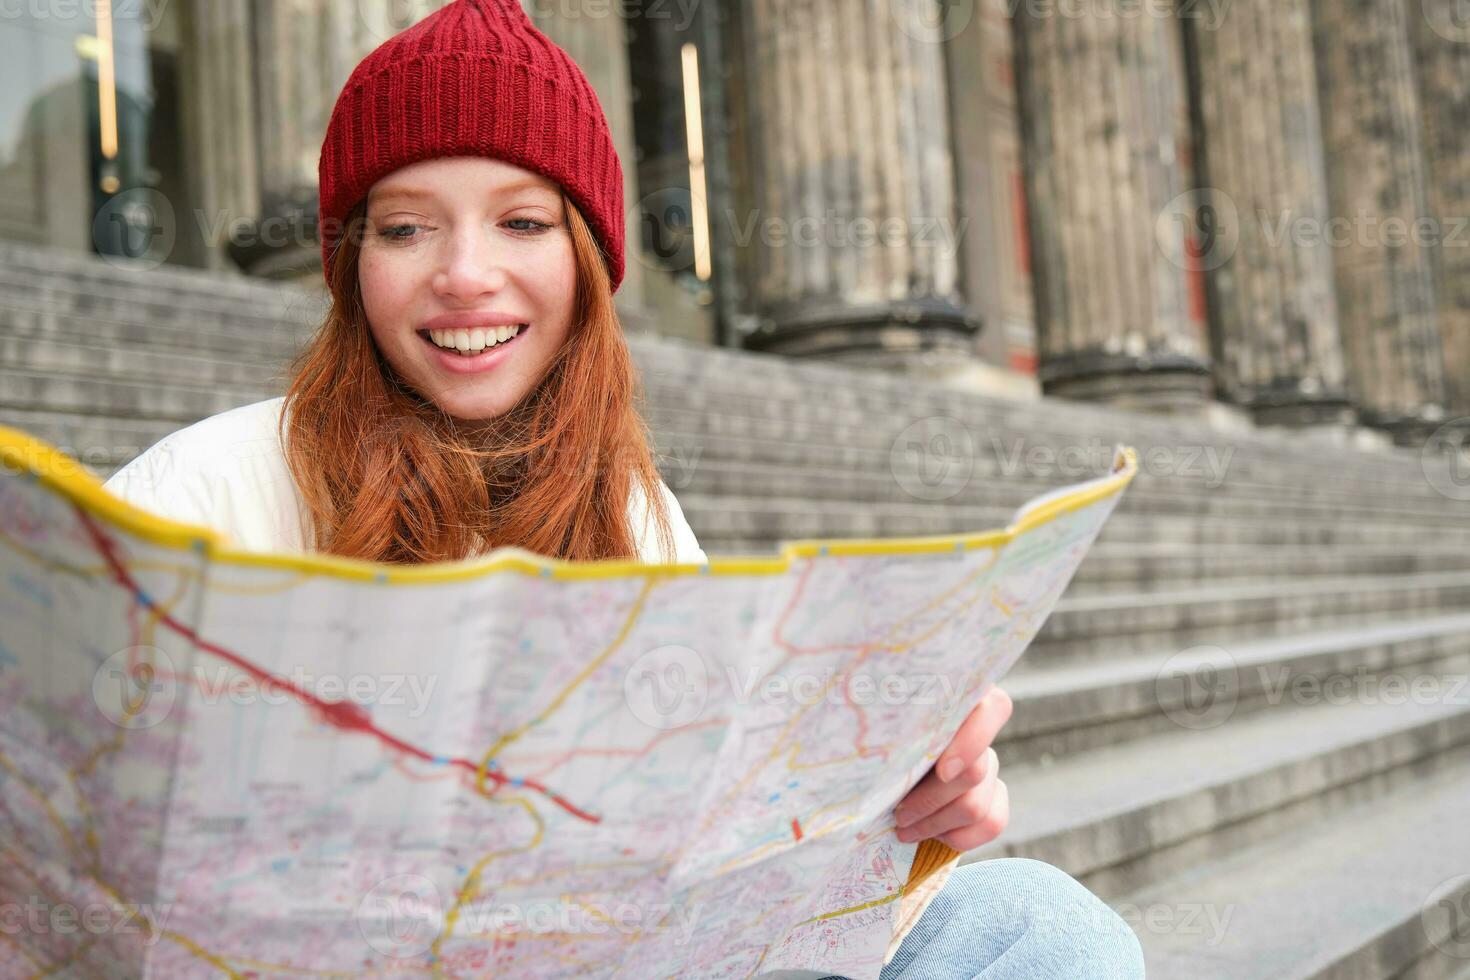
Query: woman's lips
{"x":458,"y":363}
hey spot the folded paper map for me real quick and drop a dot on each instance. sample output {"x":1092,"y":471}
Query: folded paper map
{"x":234,"y":764}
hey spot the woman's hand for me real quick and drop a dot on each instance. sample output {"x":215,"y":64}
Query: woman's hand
{"x":962,"y":799}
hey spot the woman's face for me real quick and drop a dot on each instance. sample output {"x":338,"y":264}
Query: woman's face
{"x":467,"y":247}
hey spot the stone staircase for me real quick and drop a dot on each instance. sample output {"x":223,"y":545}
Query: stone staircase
{"x":1246,"y":725}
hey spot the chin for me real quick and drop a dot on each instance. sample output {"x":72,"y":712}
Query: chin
{"x":471,"y":409}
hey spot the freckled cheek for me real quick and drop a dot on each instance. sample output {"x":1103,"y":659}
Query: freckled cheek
{"x":386,"y":294}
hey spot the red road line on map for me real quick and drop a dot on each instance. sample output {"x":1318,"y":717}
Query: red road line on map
{"x":796,"y":828}
{"x":342,"y":714}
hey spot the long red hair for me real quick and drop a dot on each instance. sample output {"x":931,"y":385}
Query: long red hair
{"x":387,"y":476}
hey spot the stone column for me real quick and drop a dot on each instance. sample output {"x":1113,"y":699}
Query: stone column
{"x":217,"y":97}
{"x":1441,"y":32}
{"x":994,"y":258}
{"x":1104,"y":124}
{"x":1273,"y":312}
{"x":305,"y":49}
{"x":1376,"y":186}
{"x":848,"y":223}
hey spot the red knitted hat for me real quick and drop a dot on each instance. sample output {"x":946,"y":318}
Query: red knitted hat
{"x":475,"y":78}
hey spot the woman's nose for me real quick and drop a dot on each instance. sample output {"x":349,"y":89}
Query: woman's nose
{"x":472,"y":264}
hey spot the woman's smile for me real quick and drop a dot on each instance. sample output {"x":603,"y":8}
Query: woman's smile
{"x":471,"y":351}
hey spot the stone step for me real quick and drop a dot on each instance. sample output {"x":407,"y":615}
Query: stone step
{"x":50,"y":391}
{"x":269,"y":343}
{"x":720,"y":478}
{"x":878,"y":432}
{"x":1092,"y":627}
{"x":772,"y":518}
{"x":126,"y":363}
{"x":1063,"y":709}
{"x":1122,"y":817}
{"x":63,"y":265}
{"x":204,"y":291}
{"x":1113,"y":568}
{"x":685,"y":454}
{"x":61,"y":388}
{"x":1369,"y":886}
{"x":149,"y":367}
{"x":768,"y":384}
{"x":160,"y":308}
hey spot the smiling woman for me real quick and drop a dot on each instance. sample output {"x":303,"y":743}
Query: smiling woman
{"x":470,"y":386}
{"x":404,"y":451}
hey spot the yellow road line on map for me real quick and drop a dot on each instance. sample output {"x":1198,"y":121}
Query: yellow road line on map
{"x":5,"y":935}
{"x":575,"y":682}
{"x":55,"y":900}
{"x":90,"y":572}
{"x":471,"y":886}
{"x":106,"y":748}
{"x":246,"y":963}
{"x":74,"y":957}
{"x":183,"y":940}
{"x":854,"y":908}
{"x":43,"y":799}
{"x":49,"y":564}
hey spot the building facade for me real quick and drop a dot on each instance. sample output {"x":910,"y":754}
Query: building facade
{"x":1251,"y":206}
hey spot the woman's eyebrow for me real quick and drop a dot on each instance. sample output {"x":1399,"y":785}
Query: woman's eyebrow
{"x":400,"y":194}
{"x":522,"y":186}
{"x":392,"y":193}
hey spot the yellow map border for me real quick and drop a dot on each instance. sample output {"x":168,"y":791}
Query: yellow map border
{"x":21,"y":452}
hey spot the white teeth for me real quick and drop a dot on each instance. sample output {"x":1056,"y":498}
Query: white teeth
{"x":474,"y":340}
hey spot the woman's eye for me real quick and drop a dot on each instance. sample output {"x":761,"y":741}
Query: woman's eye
{"x":536,"y":226}
{"x":396,"y":233}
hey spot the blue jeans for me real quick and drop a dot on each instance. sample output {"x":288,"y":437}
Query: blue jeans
{"x":1016,"y":918}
